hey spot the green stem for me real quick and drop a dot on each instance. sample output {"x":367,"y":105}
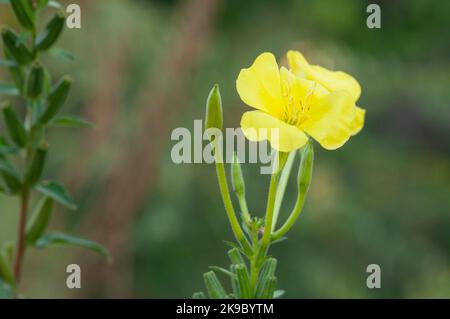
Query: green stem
{"x":244,"y":209}
{"x":221,"y":177}
{"x":269,"y":211}
{"x":284,"y":178}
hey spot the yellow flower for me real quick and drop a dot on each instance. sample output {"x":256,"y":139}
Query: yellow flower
{"x":331,"y":80}
{"x":295,"y":106}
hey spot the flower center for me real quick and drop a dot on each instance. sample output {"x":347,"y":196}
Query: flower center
{"x":295,"y":111}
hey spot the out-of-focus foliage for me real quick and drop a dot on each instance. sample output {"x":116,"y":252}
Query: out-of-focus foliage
{"x":383,"y":198}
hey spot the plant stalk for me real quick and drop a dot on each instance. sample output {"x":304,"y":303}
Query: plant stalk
{"x":20,"y":248}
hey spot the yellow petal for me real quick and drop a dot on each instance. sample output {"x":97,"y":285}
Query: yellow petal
{"x":329,"y":119}
{"x":331,"y":80}
{"x":358,"y":122}
{"x":259,"y":86}
{"x":258,"y":126}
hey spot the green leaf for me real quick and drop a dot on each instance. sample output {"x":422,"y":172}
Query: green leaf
{"x":59,"y":238}
{"x":36,"y":166}
{"x":39,"y":221}
{"x":15,"y":127}
{"x":9,"y":89}
{"x":52,"y":32}
{"x":57,"y":192}
{"x":35,"y":81}
{"x":223,"y":271}
{"x":214,"y":287}
{"x":71,"y":121}
{"x":61,"y":54}
{"x":23,"y":10}
{"x":10,"y":176}
{"x":56,"y":99}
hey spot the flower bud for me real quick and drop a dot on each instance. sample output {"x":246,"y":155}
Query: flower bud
{"x":50,"y":35}
{"x":14,"y":48}
{"x":214,"y":118}
{"x":305,"y":170}
{"x":56,"y":99}
{"x":35,"y":81}
{"x":237,"y":179}
{"x":23,"y":9}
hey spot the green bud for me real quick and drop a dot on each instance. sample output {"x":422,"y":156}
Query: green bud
{"x":237,"y":179}
{"x":36,"y":166}
{"x":23,"y":9}
{"x":235,"y":256}
{"x":39,"y":221}
{"x":267,"y":272}
{"x":305,"y":170}
{"x":35,"y":81}
{"x":50,"y":35}
{"x":15,"y":127}
{"x":56,"y":99}
{"x":214,"y":287}
{"x":243,"y":282}
{"x":14,"y":48}
{"x":214,"y":117}
{"x":10,"y":176}
{"x":269,"y":289}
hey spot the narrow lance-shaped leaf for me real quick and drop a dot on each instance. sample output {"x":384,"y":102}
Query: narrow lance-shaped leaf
{"x":36,"y":166}
{"x":61,"y":54}
{"x":71,"y":121}
{"x":10,"y":176}
{"x":15,"y":127}
{"x":17,"y":74}
{"x":53,"y":30}
{"x":64,"y":239}
{"x":57,"y":192}
{"x":39,"y":220}
{"x":56,"y":99}
{"x":36,"y":80}
{"x":214,"y":287}
{"x":23,"y":9}
{"x":15,"y":48}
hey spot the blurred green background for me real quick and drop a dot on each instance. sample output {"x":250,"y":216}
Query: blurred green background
{"x":143,"y":68}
